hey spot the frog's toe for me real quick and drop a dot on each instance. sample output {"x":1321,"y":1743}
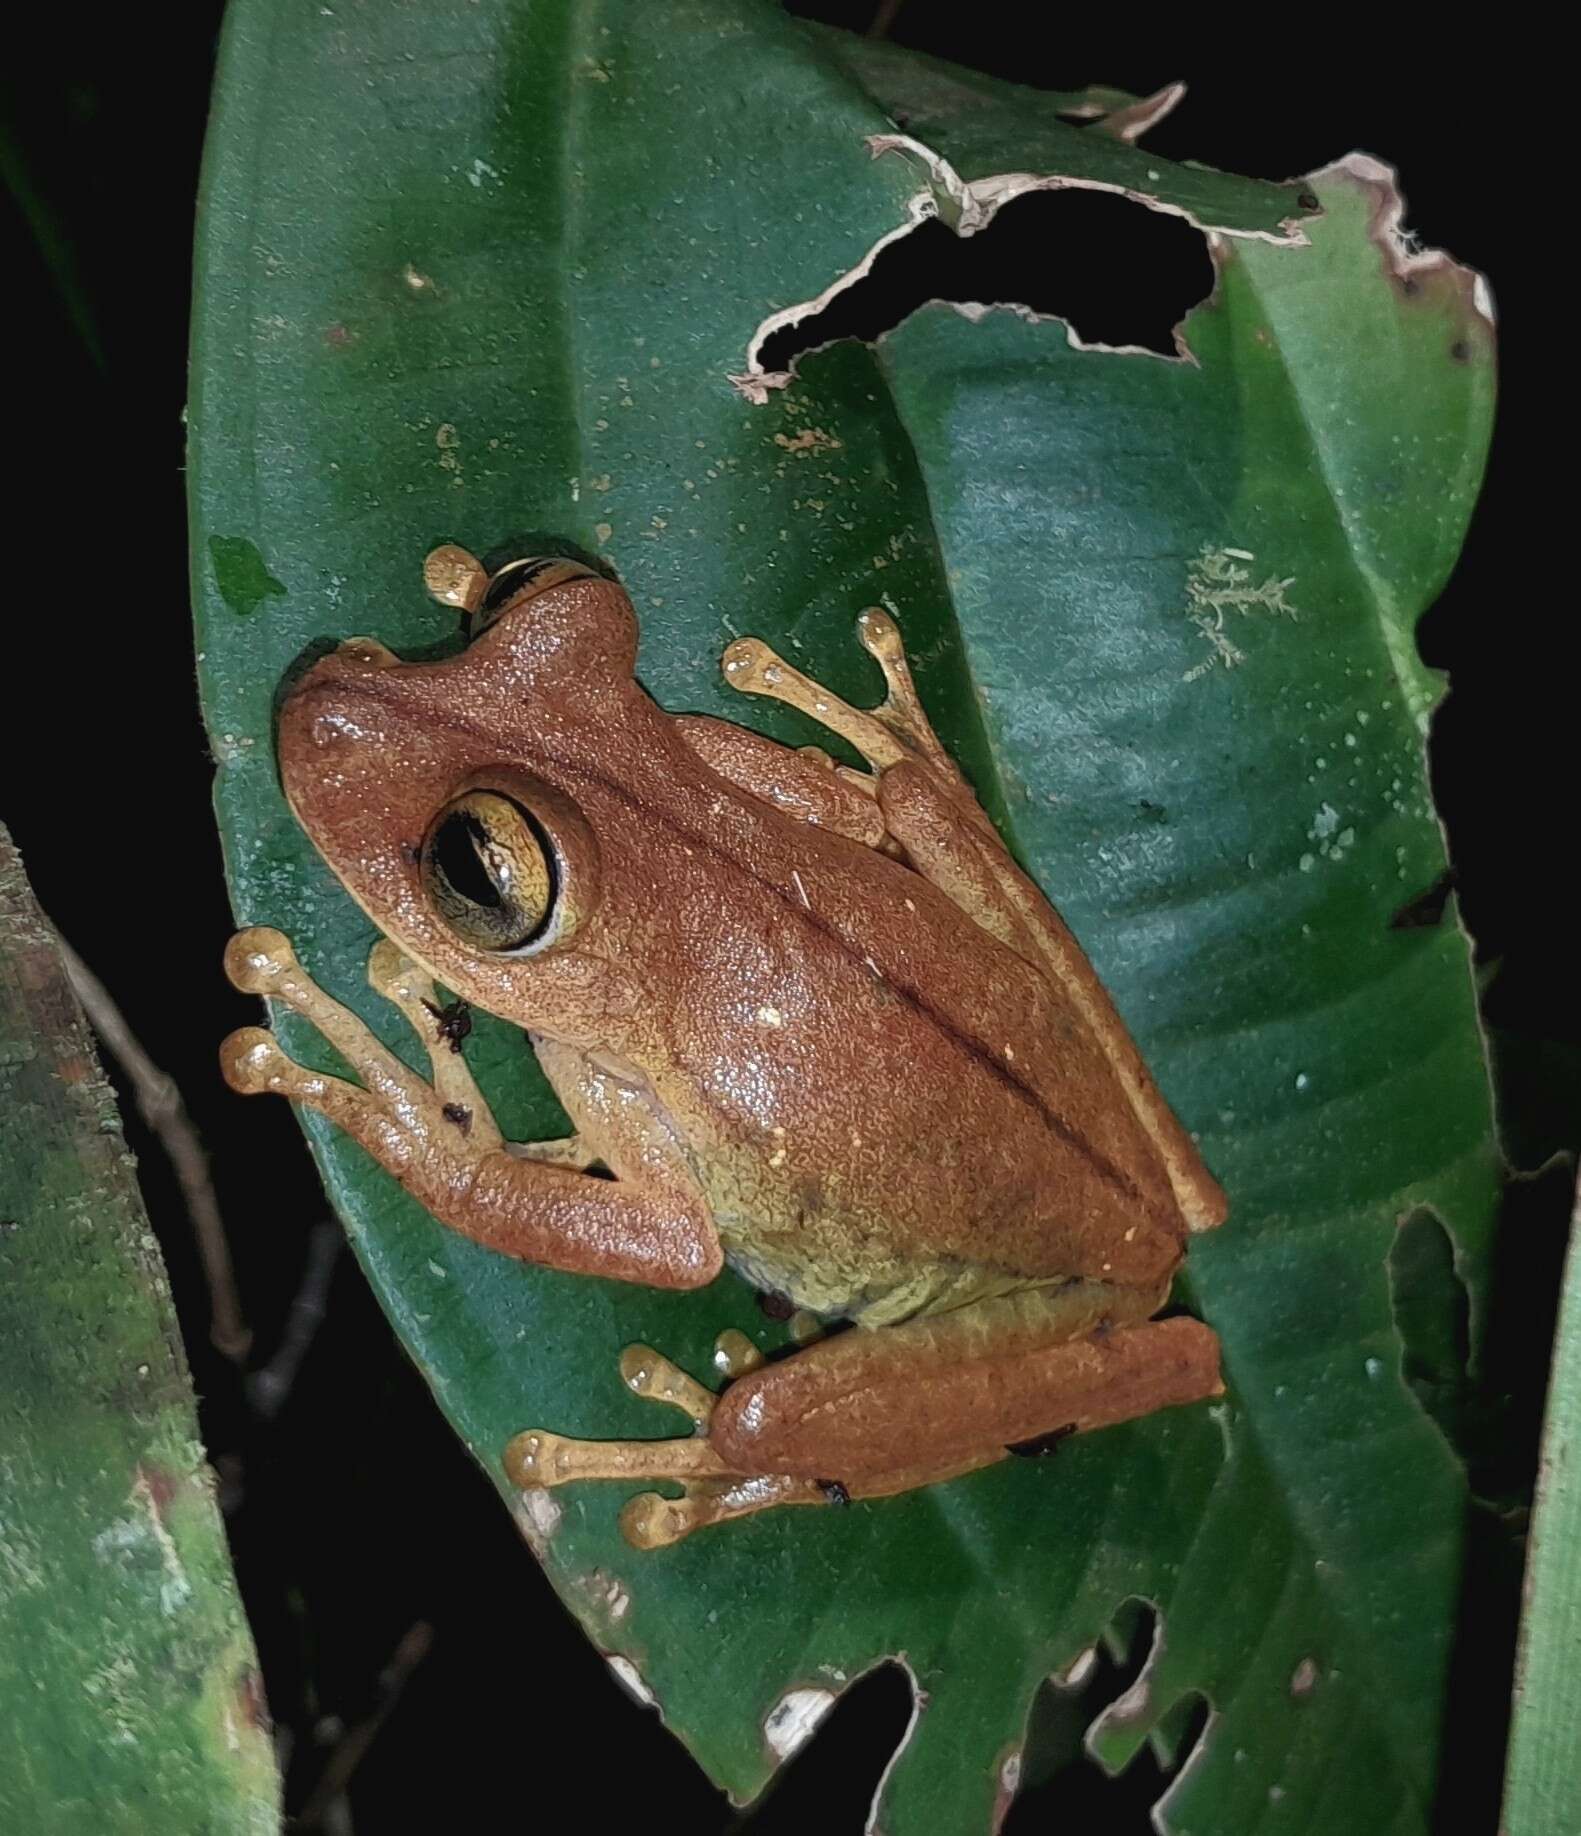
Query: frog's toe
{"x":257,"y":959}
{"x":538,"y":1456}
{"x":252,"y":1062}
{"x":650,"y":1375}
{"x":441,"y":1026}
{"x":650,"y":1521}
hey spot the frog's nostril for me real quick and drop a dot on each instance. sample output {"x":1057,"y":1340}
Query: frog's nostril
{"x":325,"y":714}
{"x":327,"y":729}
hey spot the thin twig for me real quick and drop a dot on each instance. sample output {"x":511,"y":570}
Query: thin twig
{"x":355,"y":1742}
{"x":159,"y":1104}
{"x":268,"y":1387}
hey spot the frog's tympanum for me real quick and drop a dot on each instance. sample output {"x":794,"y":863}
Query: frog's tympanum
{"x":808,"y":1020}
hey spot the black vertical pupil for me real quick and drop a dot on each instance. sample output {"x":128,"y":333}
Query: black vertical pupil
{"x":458,"y":854}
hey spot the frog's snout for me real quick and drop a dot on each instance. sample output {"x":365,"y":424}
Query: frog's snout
{"x":333,"y":704}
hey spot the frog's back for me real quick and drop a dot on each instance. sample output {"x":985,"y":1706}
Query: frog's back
{"x":890,"y":1110}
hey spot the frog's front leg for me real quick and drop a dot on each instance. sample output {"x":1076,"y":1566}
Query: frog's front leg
{"x":441,"y":1142}
{"x":897,"y":729}
{"x":866,"y":1414}
{"x":806,"y":784}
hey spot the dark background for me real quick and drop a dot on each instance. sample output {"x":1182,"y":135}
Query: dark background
{"x":376,"y":1563}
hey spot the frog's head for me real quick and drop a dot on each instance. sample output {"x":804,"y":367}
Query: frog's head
{"x":436,"y":791}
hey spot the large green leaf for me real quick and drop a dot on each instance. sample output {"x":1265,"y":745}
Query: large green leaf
{"x":474,"y":271}
{"x":130,"y":1689}
{"x":1540,"y":1797}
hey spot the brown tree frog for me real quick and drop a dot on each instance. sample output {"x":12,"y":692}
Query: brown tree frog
{"x":809,"y":1020}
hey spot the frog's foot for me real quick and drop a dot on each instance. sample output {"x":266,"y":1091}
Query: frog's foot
{"x":896,"y":730}
{"x":449,"y":1110}
{"x":448,"y":1114}
{"x":712,"y":1492}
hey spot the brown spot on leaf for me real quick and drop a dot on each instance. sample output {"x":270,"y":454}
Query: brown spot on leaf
{"x":1007,"y":1776}
{"x":160,"y":1484}
{"x":1426,"y":908}
{"x":251,"y":1706}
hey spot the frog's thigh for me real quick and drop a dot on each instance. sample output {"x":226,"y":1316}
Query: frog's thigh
{"x":955,"y":1390}
{"x":813,"y":789}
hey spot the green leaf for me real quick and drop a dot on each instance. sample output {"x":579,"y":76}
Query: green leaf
{"x":983,"y":141}
{"x":132,"y":1697}
{"x":482,"y":272}
{"x":1540,"y":1783}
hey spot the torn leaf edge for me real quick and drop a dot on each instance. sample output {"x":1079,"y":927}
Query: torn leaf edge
{"x":1407,"y":260}
{"x":971,"y":205}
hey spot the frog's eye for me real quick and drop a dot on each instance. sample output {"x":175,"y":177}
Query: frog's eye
{"x":490,"y":871}
{"x":521,"y":581}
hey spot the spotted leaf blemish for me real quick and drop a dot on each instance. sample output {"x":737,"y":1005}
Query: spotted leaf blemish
{"x":1333,"y":842}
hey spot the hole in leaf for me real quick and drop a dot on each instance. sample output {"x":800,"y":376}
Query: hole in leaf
{"x":1433,"y":1315}
{"x":829,"y":1783}
{"x":1115,"y":271}
{"x":1061,"y":1784}
{"x":1426,"y":908}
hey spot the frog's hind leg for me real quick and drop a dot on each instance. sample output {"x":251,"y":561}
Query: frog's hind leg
{"x":866,"y":1414}
{"x":967,"y":1386}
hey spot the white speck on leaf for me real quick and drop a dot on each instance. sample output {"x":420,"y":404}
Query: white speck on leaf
{"x":632,"y":1678}
{"x":538,"y":1516}
{"x":790,"y":1722}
